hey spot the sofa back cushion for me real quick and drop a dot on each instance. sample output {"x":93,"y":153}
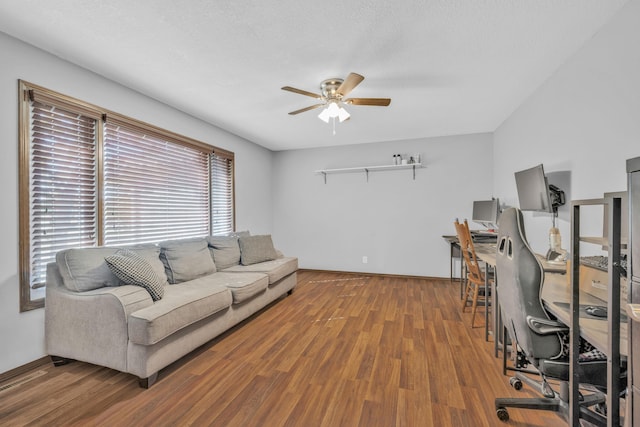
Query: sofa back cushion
{"x":151,"y":253}
{"x":186,"y":260}
{"x":84,"y":269}
{"x":224,"y":250}
{"x":255,"y":249}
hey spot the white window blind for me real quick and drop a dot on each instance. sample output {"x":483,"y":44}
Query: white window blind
{"x":222,"y":215}
{"x":154,"y":189}
{"x":62,"y":185}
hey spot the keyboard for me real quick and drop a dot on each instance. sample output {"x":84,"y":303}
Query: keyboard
{"x":484,"y":233}
{"x":601,"y":262}
{"x":483,"y":236}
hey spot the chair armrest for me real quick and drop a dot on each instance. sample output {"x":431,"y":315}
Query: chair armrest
{"x":545,"y":326}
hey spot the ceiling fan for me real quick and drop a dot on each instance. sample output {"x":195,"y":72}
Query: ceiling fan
{"x":332,"y":96}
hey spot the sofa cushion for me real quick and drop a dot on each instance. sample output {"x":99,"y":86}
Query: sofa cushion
{"x":85,"y":269}
{"x":276,"y":269}
{"x":183,"y":304}
{"x":254,"y":249}
{"x":244,"y":285}
{"x":133,"y":269}
{"x":186,"y":260}
{"x":224,"y":250}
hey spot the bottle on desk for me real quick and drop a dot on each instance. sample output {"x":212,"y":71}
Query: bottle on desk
{"x":556,"y":254}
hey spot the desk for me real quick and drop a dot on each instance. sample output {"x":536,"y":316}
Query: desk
{"x":556,"y":296}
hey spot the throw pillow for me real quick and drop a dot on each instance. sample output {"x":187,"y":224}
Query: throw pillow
{"x":186,"y":260}
{"x":133,"y":269}
{"x":255,"y":249}
{"x":224,"y":250}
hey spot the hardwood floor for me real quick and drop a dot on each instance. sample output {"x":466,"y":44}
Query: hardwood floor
{"x":343,"y":350}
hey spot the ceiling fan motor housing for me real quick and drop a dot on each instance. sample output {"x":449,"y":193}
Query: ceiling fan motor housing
{"x":329,"y":88}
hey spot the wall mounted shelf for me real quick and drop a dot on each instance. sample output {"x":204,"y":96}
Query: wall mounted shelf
{"x":367,"y":169}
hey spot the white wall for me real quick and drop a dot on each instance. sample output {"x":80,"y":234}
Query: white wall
{"x":584,"y":122}
{"x":21,"y":334}
{"x":393,"y":220}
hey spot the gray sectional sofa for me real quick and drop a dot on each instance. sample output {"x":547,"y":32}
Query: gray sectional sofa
{"x":139,"y":309}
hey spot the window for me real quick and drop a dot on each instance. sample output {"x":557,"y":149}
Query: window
{"x":222,"y":204}
{"x":90,"y":177}
{"x":62,"y":182}
{"x":153,"y":189}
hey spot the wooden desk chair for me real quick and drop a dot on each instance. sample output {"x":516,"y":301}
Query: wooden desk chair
{"x":475,"y":274}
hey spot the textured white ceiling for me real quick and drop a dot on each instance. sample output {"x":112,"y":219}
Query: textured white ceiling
{"x":450,"y":67}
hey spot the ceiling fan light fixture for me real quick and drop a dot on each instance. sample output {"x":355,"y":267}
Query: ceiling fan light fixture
{"x":333,"y":109}
{"x":324,"y":115}
{"x":343,"y":114}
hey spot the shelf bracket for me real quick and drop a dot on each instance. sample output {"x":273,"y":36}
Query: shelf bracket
{"x":414,"y":172}
{"x":366,"y":171}
{"x":325,"y":177}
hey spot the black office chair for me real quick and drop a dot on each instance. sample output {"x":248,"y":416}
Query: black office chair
{"x":535,"y":336}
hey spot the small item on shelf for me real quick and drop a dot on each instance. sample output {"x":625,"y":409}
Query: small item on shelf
{"x":416,"y":158}
{"x":404,"y":161}
{"x":395,"y":159}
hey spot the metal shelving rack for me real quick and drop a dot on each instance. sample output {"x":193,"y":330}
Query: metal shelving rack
{"x":614,"y":245}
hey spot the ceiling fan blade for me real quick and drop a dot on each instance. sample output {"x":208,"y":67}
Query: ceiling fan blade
{"x":378,"y":102}
{"x":302,"y":110}
{"x":352,"y":80}
{"x":302,"y":92}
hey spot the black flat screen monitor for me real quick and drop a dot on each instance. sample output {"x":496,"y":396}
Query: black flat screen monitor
{"x":486,"y":212}
{"x":533,"y":190}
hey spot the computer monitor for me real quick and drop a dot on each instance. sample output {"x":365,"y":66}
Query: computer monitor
{"x":533,"y":190}
{"x":486,"y":212}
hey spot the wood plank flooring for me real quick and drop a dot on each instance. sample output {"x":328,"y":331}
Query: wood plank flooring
{"x":343,"y":350}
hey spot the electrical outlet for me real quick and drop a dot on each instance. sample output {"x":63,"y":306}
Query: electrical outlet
{"x":365,"y":259}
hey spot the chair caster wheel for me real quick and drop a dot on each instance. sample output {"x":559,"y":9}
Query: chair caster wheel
{"x":515,"y":383}
{"x":502,"y":414}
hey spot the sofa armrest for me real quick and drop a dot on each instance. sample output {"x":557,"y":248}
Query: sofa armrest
{"x":90,"y":326}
